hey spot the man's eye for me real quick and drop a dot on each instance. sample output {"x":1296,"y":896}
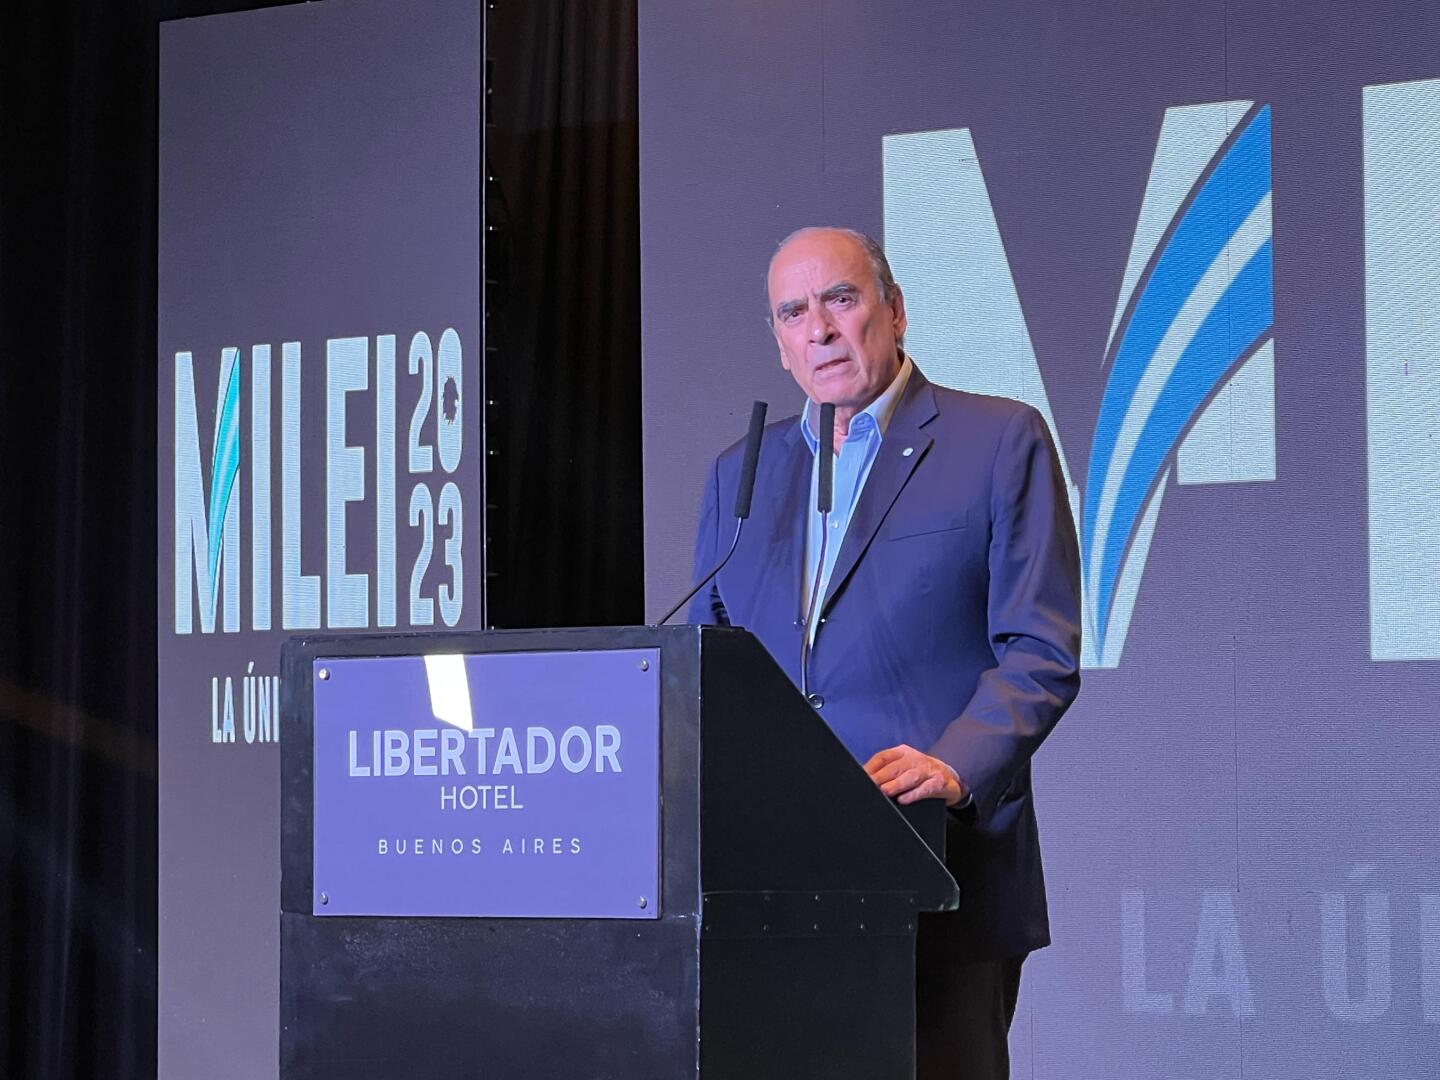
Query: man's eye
{"x":843,"y":300}
{"x":790,"y":316}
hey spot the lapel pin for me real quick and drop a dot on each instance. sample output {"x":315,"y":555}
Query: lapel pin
{"x":907,"y":451}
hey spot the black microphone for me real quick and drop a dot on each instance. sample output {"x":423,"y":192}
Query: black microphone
{"x":824,"y":503}
{"x":825,"y":497}
{"x":752,"y":458}
{"x":743,"y":495}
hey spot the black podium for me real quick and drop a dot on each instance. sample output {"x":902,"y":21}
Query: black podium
{"x":783,"y":943}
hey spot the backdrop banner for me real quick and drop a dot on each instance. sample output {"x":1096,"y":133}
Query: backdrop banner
{"x":320,"y":433}
{"x":1204,"y":241}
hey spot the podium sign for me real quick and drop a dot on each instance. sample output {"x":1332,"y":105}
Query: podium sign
{"x":508,"y":784}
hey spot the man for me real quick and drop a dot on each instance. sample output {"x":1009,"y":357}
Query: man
{"x":947,"y":643}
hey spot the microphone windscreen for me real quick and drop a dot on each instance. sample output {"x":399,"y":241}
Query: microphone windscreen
{"x":752,"y":459}
{"x":825,"y":496}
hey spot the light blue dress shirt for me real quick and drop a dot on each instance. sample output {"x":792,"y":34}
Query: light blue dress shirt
{"x":852,"y":467}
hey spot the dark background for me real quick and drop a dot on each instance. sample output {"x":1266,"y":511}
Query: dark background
{"x":77,"y":427}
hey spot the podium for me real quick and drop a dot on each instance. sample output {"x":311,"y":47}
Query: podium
{"x":640,"y":853}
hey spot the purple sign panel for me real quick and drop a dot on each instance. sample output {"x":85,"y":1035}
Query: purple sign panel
{"x":519,"y":785}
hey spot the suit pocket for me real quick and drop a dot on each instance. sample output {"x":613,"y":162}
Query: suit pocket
{"x":928,"y":524}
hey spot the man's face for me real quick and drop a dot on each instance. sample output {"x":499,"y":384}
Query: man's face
{"x":837,"y":335}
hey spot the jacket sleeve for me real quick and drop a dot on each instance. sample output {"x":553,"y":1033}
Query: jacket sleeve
{"x":1033,"y":611}
{"x":707,"y":608}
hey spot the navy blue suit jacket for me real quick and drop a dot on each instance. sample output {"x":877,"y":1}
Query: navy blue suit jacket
{"x":952,"y":620}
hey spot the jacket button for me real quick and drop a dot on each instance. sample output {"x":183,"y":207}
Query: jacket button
{"x":816,"y":701}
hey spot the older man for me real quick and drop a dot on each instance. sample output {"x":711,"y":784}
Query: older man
{"x":945,"y":642}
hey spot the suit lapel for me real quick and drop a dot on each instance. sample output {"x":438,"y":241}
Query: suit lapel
{"x":778,"y":521}
{"x":900,"y":452}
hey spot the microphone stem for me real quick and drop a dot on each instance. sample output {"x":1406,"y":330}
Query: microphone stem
{"x":824,"y":503}
{"x":813,"y":606}
{"x":735,"y":541}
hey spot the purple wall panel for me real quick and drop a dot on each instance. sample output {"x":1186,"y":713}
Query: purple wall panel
{"x":1238,"y":815}
{"x":319,"y":181}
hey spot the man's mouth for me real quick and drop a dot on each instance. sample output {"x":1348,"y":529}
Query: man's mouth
{"x":830,"y":365}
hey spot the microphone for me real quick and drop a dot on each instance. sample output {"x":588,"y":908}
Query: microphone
{"x":824,"y":503}
{"x":752,"y":458}
{"x":743,"y":495}
{"x":825,"y":496}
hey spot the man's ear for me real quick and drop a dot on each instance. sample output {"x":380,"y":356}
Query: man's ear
{"x":897,"y":309}
{"x":784,"y":360}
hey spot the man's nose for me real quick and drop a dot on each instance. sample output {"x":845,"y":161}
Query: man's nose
{"x":818,"y":325}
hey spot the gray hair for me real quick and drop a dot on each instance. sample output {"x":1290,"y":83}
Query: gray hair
{"x":884,"y":277}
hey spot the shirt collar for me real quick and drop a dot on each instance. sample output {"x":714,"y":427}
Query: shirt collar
{"x":878,"y":412}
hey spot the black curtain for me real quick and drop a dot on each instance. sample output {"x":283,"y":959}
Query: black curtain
{"x":565,"y":376}
{"x":78,"y":785}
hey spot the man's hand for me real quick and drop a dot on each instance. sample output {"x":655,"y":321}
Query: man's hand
{"x":904,"y":773}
